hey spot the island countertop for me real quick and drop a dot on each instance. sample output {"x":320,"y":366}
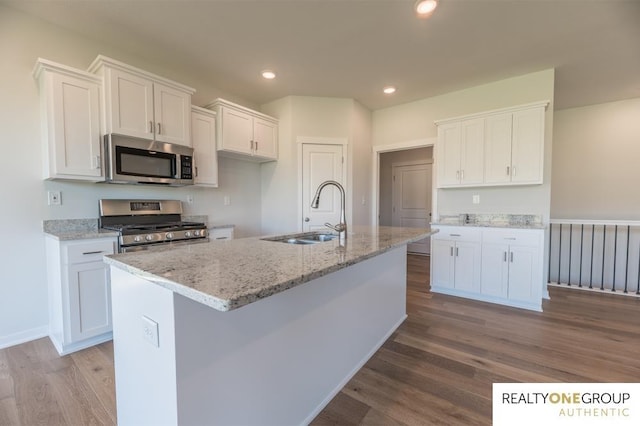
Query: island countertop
{"x":231,"y":274}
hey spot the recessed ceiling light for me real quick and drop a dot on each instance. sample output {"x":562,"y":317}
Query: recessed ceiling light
{"x":389,"y":90}
{"x":425,"y":7}
{"x":268,"y":74}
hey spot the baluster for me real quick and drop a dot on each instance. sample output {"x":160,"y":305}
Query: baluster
{"x":581,"y":244}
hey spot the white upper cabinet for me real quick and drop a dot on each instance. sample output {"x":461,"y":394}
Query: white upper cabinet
{"x":205,"y":154}
{"x":143,"y":105}
{"x":71,"y":130}
{"x":460,"y":153}
{"x":498,"y":149}
{"x":503,"y":147}
{"x":527,"y":146}
{"x":244,"y":133}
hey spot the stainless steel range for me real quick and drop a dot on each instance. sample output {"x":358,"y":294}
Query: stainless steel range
{"x":143,"y":224}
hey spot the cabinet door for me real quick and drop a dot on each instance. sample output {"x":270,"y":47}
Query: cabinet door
{"x":236,"y":131}
{"x":172,"y":112}
{"x":495,"y":270}
{"x":527,"y":146}
{"x":89,"y":300}
{"x":75,"y":127}
{"x":523,"y":268}
{"x":442,"y":264}
{"x":203,"y":136}
{"x":221,"y":234}
{"x":467,"y":266}
{"x":448,"y":154}
{"x":497,"y":149}
{"x":131,"y":99}
{"x":472,"y":151}
{"x":265,"y":137}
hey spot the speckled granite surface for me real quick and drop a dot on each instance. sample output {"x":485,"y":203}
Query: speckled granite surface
{"x":75,"y":229}
{"x":84,"y":229}
{"x":520,"y":221}
{"x":228,"y":275}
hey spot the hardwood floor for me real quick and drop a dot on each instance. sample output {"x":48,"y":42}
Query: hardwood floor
{"x":436,"y":369}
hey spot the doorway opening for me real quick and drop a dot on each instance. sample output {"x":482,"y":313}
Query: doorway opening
{"x":405,"y":188}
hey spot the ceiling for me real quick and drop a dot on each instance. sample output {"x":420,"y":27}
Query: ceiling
{"x":352,"y":48}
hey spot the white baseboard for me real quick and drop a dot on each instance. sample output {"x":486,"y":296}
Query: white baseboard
{"x":24,"y":336}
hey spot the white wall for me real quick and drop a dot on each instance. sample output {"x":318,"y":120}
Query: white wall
{"x":386,"y":177}
{"x":317,"y":117}
{"x":415,"y":120}
{"x":596,"y":162}
{"x":23,"y":291}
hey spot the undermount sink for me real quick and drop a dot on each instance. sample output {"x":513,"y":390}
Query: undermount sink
{"x":308,"y":238}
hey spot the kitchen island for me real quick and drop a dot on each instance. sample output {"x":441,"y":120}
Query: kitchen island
{"x":252,"y":331}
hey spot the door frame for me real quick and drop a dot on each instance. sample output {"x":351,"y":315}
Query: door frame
{"x":403,"y":146}
{"x":319,"y":140}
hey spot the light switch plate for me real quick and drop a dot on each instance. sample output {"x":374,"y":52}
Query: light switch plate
{"x":150,"y":331}
{"x":476,"y":199}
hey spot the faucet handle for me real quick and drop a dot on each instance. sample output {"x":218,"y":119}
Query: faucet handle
{"x":338,"y":228}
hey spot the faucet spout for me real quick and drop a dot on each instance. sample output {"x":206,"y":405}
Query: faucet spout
{"x":341,"y":227}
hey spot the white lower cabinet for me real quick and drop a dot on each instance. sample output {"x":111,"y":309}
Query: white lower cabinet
{"x":495,"y":265}
{"x":455,"y":259}
{"x":79,"y":293}
{"x":220,"y":234}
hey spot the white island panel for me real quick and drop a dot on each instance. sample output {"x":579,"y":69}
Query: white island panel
{"x":277,"y":361}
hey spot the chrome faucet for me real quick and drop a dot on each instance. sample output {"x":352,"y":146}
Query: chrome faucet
{"x":340,"y":228}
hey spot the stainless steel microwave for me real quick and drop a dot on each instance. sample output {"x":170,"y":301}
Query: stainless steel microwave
{"x":136,"y":160}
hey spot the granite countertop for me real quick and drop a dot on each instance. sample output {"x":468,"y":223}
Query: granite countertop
{"x":84,"y":229}
{"x":492,"y":220}
{"x":228,"y":275}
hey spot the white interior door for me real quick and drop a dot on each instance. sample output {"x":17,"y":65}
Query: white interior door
{"x":412,"y":200}
{"x":319,"y":163}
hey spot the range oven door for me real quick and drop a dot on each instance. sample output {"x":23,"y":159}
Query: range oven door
{"x":135,"y":160}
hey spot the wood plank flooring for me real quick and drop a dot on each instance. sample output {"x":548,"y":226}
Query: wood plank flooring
{"x":436,"y":369}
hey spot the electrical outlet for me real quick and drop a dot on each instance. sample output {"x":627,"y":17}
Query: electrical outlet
{"x":189,"y":199}
{"x":150,"y":331}
{"x":54,"y":198}
{"x":227,"y":200}
{"x":476,"y":199}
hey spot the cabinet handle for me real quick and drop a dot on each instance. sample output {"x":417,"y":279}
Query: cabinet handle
{"x":461,"y":175}
{"x":450,"y":251}
{"x":251,"y":142}
{"x":159,"y":128}
{"x":514,"y":170}
{"x":92,"y":252}
{"x":511,"y":257}
{"x":256,"y":145}
{"x":456,"y":251}
{"x":505,"y":256}
{"x":454,"y":235}
{"x":457,"y":174}
{"x":196,"y":171}
{"x":507,"y":170}
{"x":97,"y":162}
{"x":221,"y":238}
{"x":150,"y":126}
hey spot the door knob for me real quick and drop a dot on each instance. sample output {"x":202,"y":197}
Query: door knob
{"x":306,"y":219}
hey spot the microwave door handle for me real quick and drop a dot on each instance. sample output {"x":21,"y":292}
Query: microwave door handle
{"x":174,"y":165}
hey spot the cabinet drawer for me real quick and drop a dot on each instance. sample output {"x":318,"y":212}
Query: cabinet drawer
{"x":527,"y":237}
{"x":455,"y":233}
{"x":221,"y":234}
{"x":88,"y":251}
